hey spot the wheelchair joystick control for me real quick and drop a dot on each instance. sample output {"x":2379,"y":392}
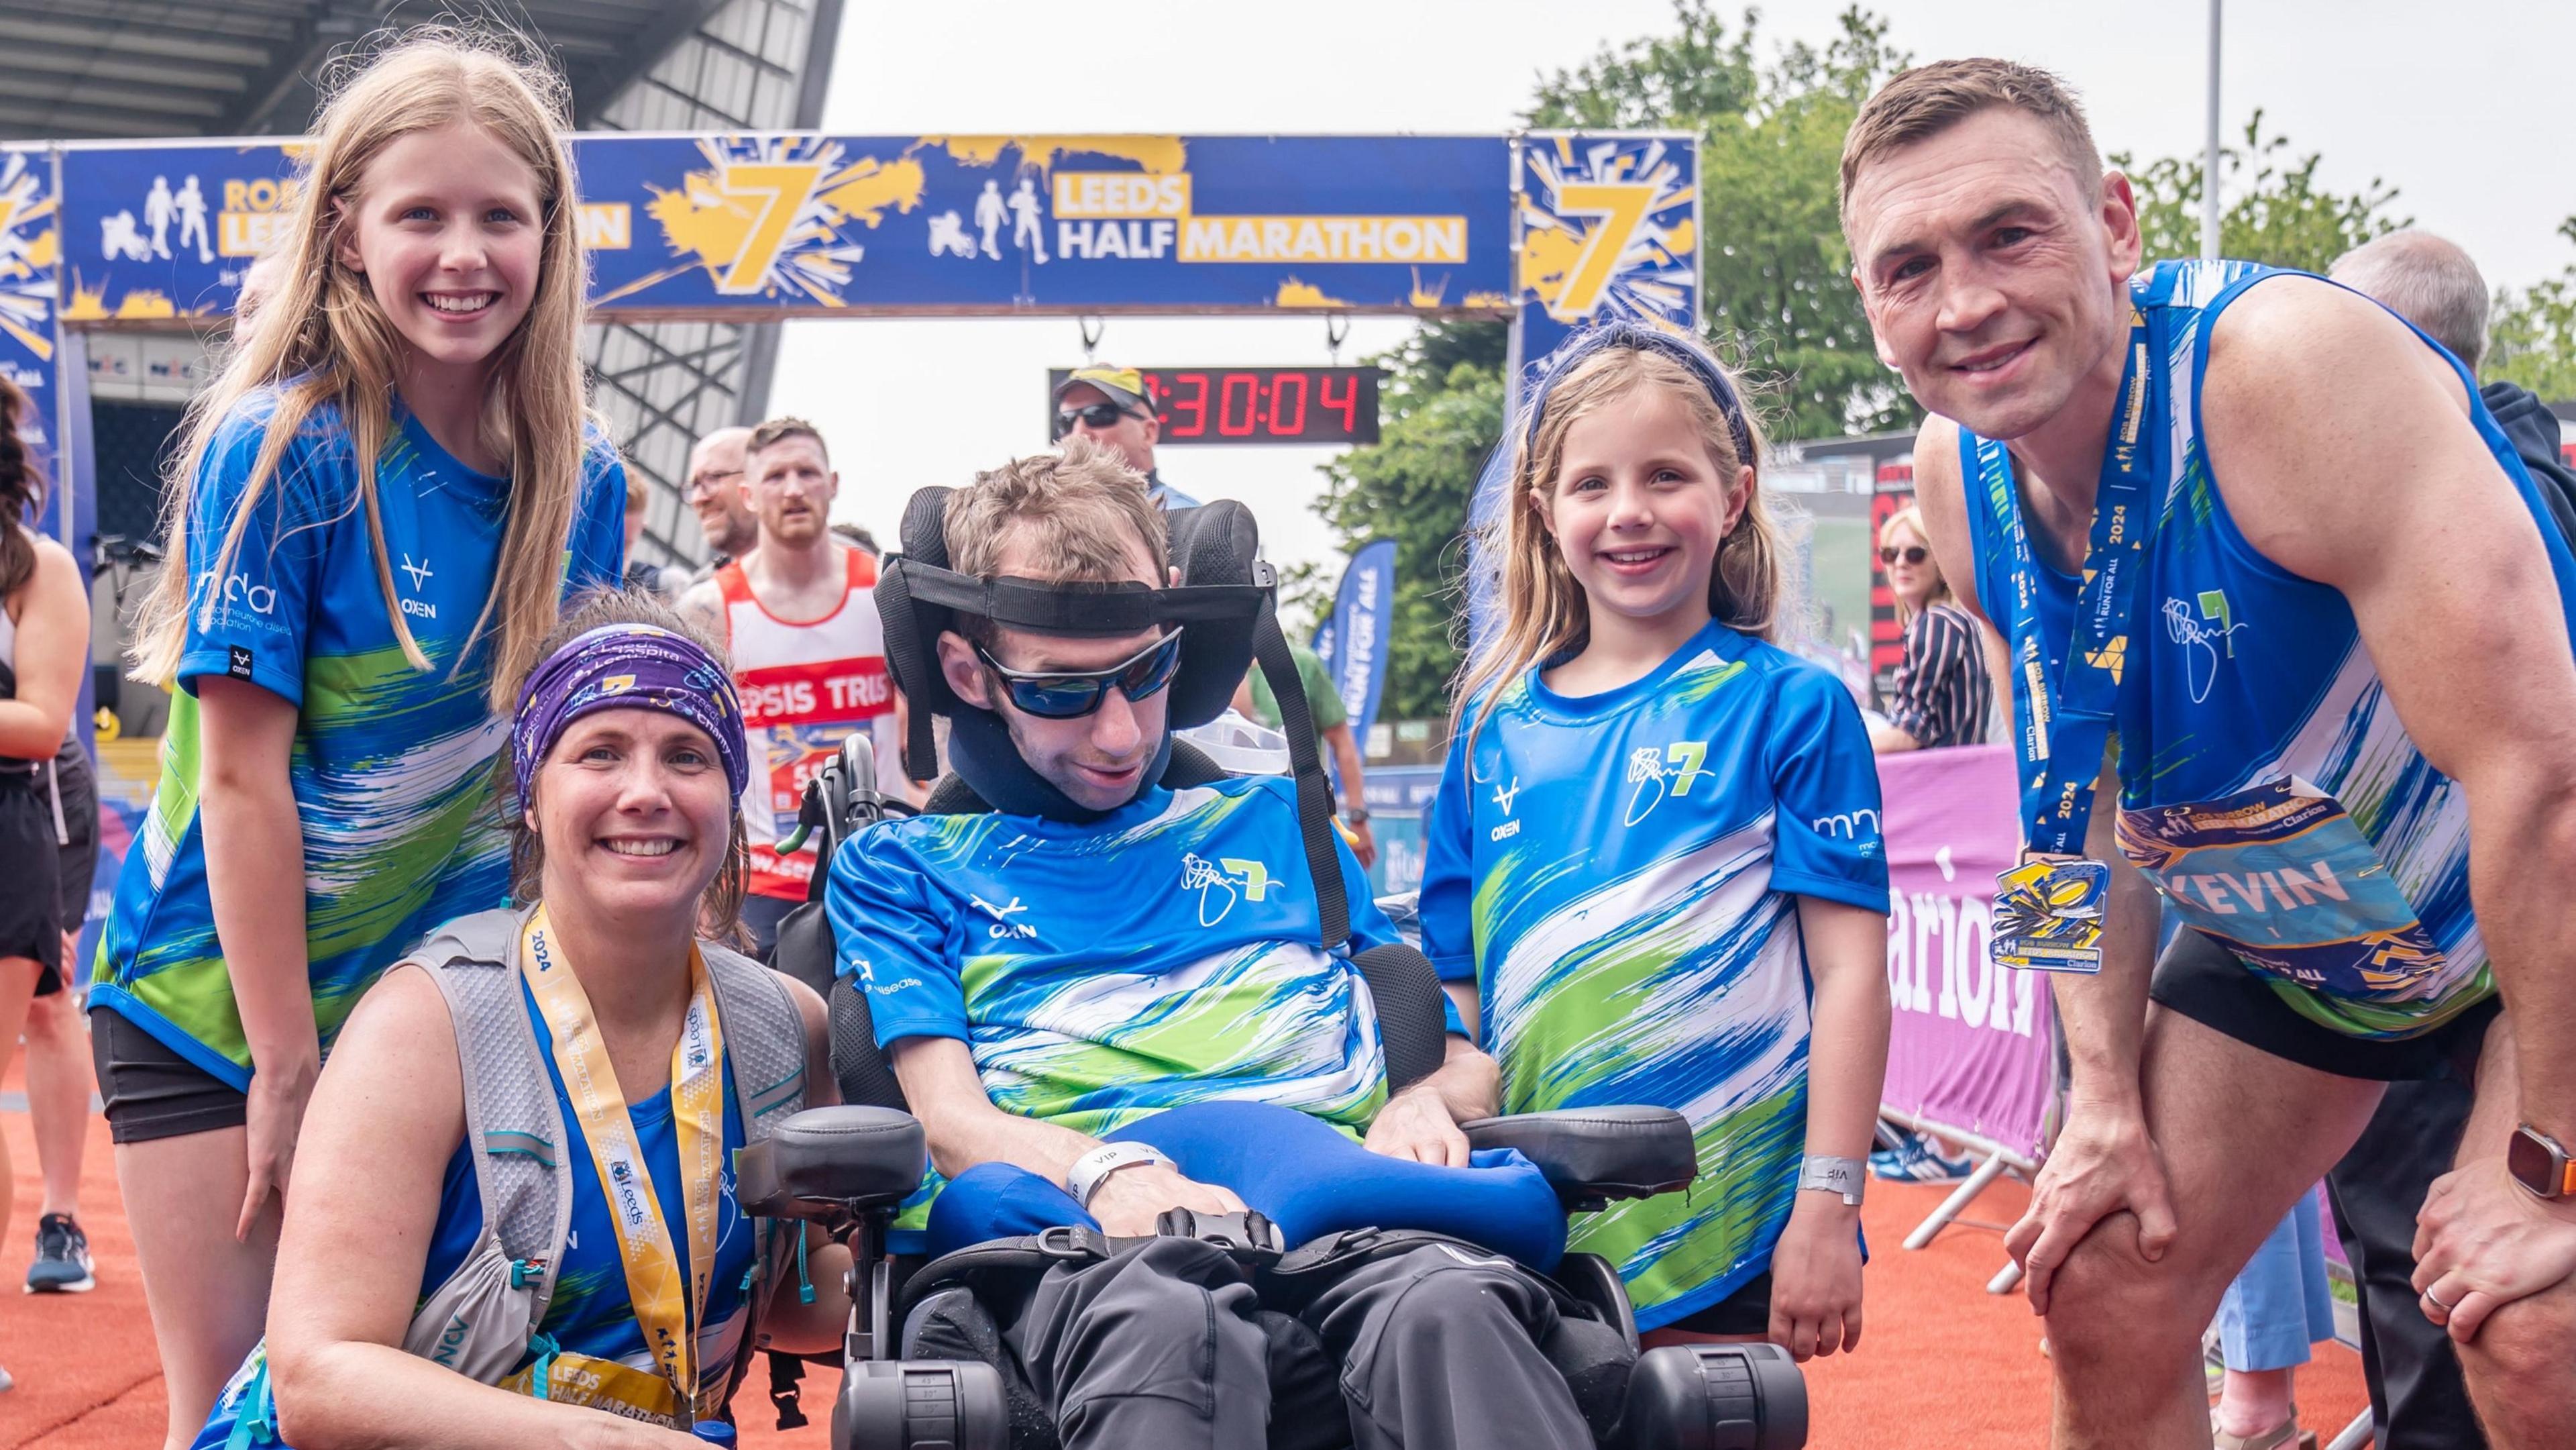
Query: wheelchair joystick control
{"x":1715,"y":1397}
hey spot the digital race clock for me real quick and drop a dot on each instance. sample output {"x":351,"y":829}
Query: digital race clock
{"x":1254,"y":405}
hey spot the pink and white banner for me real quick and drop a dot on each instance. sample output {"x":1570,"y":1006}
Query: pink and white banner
{"x":1970,"y":1049}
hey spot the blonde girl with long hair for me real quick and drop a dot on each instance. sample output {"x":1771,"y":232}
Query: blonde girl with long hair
{"x":1655,"y":851}
{"x":375,"y":516}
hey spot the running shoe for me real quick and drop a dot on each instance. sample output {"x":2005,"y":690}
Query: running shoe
{"x":1918,"y":1160}
{"x":62,"y":1258}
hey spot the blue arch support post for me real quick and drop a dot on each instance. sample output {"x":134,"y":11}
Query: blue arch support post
{"x":31,"y":354}
{"x":1605,"y":226}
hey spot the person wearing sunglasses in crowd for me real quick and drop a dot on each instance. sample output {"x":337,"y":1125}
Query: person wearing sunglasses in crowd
{"x":799,"y":621}
{"x":1942,"y":692}
{"x":1107,"y":405}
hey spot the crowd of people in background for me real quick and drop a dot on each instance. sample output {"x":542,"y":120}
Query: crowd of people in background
{"x":401,"y":586}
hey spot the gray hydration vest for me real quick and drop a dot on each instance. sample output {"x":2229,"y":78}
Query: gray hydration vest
{"x":482,"y":1319}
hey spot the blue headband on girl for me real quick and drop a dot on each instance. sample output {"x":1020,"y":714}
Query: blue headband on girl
{"x":1639,"y":337}
{"x":1492,"y":500}
{"x":628,"y":667}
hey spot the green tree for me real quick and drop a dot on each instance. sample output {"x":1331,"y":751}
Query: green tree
{"x":1441,"y":413}
{"x":1775,"y":289}
{"x":2276,"y":211}
{"x":2531,"y":334}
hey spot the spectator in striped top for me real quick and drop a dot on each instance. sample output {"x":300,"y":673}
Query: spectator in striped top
{"x":1942,"y":689}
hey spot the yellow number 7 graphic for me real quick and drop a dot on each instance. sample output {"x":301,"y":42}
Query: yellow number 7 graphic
{"x":1620,"y":205}
{"x":781,"y":188}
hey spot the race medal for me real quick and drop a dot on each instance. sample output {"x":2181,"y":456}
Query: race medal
{"x":2048,"y":915}
{"x":600,"y":1384}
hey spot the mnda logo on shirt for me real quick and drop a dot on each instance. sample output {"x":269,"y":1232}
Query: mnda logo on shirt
{"x":1220,"y":884}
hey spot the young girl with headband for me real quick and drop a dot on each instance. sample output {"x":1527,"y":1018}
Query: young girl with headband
{"x":1655,"y":852}
{"x":377,"y":512}
{"x":624,"y":764}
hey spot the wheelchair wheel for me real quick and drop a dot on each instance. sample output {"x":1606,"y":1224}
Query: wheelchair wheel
{"x":919,"y":1404}
{"x":1716,"y":1397}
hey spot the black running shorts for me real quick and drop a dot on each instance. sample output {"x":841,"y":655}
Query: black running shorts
{"x":151,"y":1091}
{"x":2205,"y":982}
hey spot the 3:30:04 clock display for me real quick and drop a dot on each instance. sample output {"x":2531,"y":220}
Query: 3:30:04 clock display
{"x":1261,"y":405}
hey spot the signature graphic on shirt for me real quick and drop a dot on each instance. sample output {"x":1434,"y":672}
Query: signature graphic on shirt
{"x":1650,"y":768}
{"x":420,"y":572}
{"x":1220,"y":884}
{"x":2202,"y":636}
{"x":1505,"y":795}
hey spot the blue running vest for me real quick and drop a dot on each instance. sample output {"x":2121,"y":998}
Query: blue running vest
{"x":2266,"y":783}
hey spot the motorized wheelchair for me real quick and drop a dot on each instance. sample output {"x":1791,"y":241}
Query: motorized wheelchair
{"x":851,"y":1167}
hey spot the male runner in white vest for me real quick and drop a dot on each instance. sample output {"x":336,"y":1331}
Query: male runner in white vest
{"x":799,"y":619}
{"x":2272,"y":573}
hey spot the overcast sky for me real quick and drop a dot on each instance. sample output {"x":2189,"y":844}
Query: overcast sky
{"x":2463,"y":106}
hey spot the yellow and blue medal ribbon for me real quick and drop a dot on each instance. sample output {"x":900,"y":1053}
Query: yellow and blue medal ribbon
{"x":668,"y":1304}
{"x":2048,"y":911}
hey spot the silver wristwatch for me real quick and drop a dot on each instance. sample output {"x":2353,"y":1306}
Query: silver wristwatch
{"x":1833,"y":1175}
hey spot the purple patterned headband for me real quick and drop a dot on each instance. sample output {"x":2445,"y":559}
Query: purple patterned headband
{"x":628,"y":667}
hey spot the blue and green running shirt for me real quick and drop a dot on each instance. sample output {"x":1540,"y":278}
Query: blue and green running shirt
{"x":2266,"y":783}
{"x":391,"y":766}
{"x":1618,"y":874}
{"x":592,"y":1312}
{"x":1166,"y":954}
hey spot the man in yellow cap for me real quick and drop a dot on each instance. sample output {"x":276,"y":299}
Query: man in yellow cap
{"x":1108,"y":405}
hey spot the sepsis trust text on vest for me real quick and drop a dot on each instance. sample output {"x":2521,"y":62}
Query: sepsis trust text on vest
{"x":832,"y":690}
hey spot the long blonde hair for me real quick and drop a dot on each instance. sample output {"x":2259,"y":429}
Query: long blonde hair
{"x":1544,"y":612}
{"x":1911,"y":517}
{"x":319,"y":338}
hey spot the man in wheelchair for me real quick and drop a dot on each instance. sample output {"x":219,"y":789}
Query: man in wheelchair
{"x":1204,"y":1174}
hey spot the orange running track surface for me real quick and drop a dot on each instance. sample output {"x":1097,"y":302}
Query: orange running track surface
{"x":1942,"y":1363}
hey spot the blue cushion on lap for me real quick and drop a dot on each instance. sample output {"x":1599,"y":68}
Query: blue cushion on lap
{"x":1302,"y":1173}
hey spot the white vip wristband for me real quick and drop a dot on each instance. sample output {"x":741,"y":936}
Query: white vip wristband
{"x":1084,"y":1178}
{"x":1825,"y":1174}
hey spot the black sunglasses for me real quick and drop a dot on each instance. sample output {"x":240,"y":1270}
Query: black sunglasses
{"x":1072,"y":694}
{"x":1911,"y":554}
{"x":1097,"y":415}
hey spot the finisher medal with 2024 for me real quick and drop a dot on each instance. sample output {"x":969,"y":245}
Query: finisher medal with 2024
{"x":2049,"y":909}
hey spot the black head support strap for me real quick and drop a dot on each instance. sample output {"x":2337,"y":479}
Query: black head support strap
{"x":1227,"y":599}
{"x":1224,"y":590}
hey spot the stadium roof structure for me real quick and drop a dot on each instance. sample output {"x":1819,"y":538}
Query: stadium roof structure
{"x":100,"y":69}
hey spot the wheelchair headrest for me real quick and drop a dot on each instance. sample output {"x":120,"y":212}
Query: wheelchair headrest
{"x":1223,"y":590}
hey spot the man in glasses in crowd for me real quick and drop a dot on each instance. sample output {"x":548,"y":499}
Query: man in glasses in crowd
{"x":799,"y":620}
{"x":715,"y":496}
{"x":1108,"y":405}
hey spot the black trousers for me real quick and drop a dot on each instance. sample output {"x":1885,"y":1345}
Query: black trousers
{"x":2418,"y":1399}
{"x":1164,"y":1345}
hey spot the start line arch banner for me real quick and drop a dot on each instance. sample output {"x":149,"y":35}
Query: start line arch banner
{"x":1549,"y":229}
{"x":801,"y":224}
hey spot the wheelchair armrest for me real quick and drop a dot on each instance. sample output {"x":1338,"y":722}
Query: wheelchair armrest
{"x":1596,"y":1153}
{"x":832,"y":1160}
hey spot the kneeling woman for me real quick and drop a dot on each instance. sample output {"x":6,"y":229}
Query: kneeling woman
{"x":428,"y":1293}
